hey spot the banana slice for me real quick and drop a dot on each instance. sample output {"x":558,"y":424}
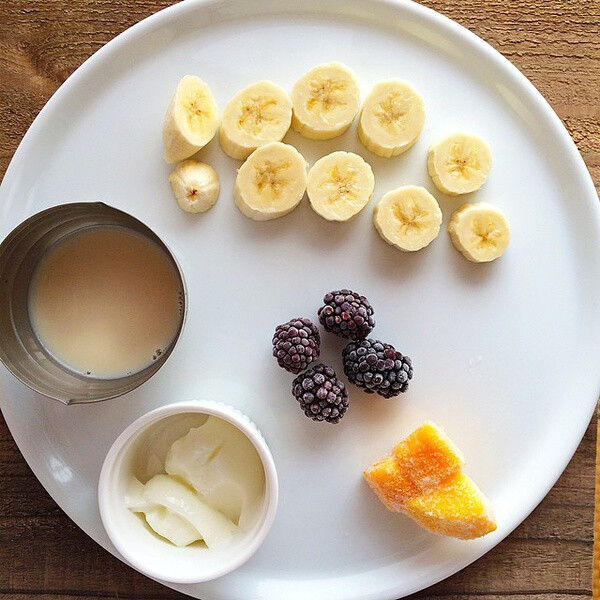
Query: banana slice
{"x":271,"y":182}
{"x":191,"y":120}
{"x":408,"y":218}
{"x":195,"y":185}
{"x":340,"y":185}
{"x":479,"y":231}
{"x":459,"y":164}
{"x":392,"y":118}
{"x":258,"y":114}
{"x":325,"y":101}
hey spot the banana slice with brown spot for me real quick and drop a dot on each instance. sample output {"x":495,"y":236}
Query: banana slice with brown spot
{"x":195,"y":185}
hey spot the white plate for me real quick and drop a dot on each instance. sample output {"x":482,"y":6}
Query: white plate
{"x":506,"y":354}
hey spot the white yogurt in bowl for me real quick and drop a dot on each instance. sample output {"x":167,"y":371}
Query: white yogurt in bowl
{"x":188,"y":492}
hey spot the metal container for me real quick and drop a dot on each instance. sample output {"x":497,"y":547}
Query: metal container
{"x":20,"y":350}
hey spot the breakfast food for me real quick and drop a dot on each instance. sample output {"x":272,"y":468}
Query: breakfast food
{"x":479,"y":231}
{"x":340,"y":185}
{"x":457,"y":508}
{"x":325,"y":101}
{"x":392,"y":118}
{"x":376,"y":367}
{"x":258,"y":114}
{"x":408,"y":218}
{"x":195,"y":185}
{"x":191,"y":120}
{"x":322,"y":396}
{"x":271,"y":182}
{"x":169,"y":502}
{"x":423,"y":475}
{"x":423,"y":478}
{"x":167,"y":524}
{"x":347,"y":314}
{"x":222,"y":465}
{"x":213,"y":484}
{"x":296,"y":344}
{"x":417,"y":465}
{"x":459,"y":164}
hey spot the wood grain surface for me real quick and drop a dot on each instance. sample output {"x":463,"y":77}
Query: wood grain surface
{"x":43,"y":555}
{"x":596,"y":556}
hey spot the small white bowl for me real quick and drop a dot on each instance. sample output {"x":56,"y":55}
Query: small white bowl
{"x":140,"y":451}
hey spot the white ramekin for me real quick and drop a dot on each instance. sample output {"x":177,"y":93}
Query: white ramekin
{"x":150,"y":436}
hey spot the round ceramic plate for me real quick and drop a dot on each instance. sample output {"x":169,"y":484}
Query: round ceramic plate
{"x":506,"y":354}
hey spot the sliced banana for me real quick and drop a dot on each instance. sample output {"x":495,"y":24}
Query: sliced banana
{"x":408,"y":218}
{"x":392,"y":118}
{"x":325,"y":101}
{"x":191,"y":120}
{"x":271,"y":182}
{"x":459,"y":164}
{"x":340,"y":185}
{"x":195,"y":185}
{"x":258,"y":114}
{"x":479,"y":231}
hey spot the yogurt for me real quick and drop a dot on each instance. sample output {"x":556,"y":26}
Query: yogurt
{"x":212,"y":488}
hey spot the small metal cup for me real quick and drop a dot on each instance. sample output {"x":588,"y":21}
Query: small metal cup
{"x":20,"y":350}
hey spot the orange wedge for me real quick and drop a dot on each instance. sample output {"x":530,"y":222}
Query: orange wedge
{"x":422,"y":477}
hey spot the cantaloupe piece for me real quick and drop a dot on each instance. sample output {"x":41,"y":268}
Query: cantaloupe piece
{"x":417,"y":465}
{"x":423,"y":478}
{"x":456,"y":509}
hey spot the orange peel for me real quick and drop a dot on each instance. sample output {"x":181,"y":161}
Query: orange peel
{"x":423,"y":478}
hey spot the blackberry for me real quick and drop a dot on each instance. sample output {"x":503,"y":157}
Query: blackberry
{"x":377,"y":367}
{"x":322,"y":396}
{"x":296,"y":344}
{"x":347,"y":314}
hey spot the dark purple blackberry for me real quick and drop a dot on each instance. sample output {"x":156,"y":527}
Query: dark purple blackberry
{"x":296,"y":344}
{"x":322,"y":396}
{"x":376,"y":367}
{"x":347,"y":314}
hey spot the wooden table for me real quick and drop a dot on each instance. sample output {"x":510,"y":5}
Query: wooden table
{"x":43,"y":555}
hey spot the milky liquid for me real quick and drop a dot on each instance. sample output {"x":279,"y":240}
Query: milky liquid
{"x":105,"y":302}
